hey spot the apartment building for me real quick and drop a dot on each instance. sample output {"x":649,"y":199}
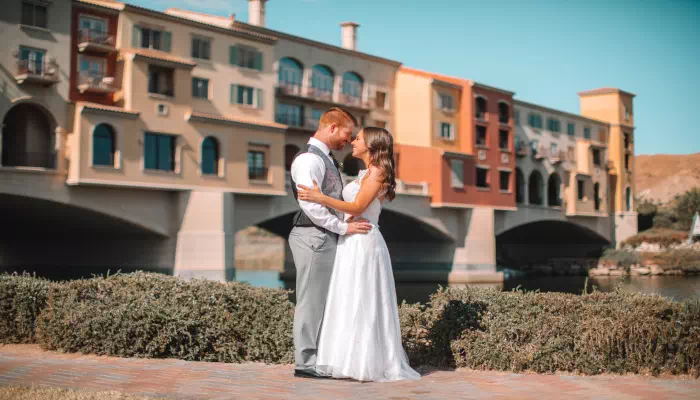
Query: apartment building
{"x":35,"y":87}
{"x":562,"y":161}
{"x":462,"y":133}
{"x":163,"y":101}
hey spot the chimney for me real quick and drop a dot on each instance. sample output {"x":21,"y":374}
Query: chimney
{"x":349,"y":35}
{"x":256,"y":12}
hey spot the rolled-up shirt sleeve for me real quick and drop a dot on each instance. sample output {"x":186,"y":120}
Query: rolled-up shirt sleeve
{"x":306,"y":169}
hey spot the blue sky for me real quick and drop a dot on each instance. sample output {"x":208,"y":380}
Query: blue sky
{"x":545,"y":51}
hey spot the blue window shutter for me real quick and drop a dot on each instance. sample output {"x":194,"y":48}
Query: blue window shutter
{"x":259,"y":98}
{"x":167,"y":38}
{"x":234,"y":94}
{"x":102,"y":146}
{"x":232,"y":55}
{"x":166,"y":150}
{"x":150,"y":155}
{"x":259,"y":61}
{"x":136,"y":37}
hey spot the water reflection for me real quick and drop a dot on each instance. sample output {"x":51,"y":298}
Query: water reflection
{"x":672,"y":287}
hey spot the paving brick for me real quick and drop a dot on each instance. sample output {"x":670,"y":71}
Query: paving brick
{"x":177,"y":379}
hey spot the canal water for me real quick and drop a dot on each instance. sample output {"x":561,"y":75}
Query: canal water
{"x":673,"y":287}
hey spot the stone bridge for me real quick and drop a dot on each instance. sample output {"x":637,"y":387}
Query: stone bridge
{"x":66,"y":229}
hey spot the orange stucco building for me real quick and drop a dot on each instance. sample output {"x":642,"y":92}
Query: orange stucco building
{"x":457,"y":135}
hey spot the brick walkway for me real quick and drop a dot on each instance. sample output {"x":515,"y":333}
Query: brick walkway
{"x":29,"y":365}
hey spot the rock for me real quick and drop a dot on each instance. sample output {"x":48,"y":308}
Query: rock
{"x":598,"y":272}
{"x":656,"y":270}
{"x":673,"y":272}
{"x":640,"y":271}
{"x":617,"y":272}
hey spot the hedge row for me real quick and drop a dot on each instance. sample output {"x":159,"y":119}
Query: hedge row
{"x":152,"y":315}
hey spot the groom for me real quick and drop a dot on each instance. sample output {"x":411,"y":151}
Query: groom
{"x":314,"y":238}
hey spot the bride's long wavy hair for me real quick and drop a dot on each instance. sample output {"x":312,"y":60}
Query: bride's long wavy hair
{"x":381,"y":154}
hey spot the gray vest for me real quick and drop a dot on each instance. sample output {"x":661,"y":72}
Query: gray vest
{"x":331,"y":186}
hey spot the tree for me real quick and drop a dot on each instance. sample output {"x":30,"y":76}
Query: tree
{"x":686,"y":206}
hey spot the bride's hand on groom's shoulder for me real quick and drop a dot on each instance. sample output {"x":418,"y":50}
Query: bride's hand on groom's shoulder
{"x":312,"y":194}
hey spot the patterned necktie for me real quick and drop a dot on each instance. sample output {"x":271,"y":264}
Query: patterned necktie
{"x":335,"y":162}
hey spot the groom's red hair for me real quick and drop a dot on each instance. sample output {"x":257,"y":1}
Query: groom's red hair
{"x":338,"y":116}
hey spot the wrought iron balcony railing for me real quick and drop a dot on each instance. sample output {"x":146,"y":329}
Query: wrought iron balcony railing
{"x":257,"y":173}
{"x":88,"y":36}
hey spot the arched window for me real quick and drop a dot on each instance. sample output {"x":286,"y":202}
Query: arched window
{"x":503,"y":113}
{"x":210,"y":156}
{"x":352,"y":87}
{"x":290,"y":151}
{"x":480,"y":108}
{"x":322,"y":81}
{"x":535,"y":184}
{"x":553,"y":190}
{"x":103,"y":145}
{"x":290,"y":72}
{"x":628,"y":199}
{"x":29,"y":138}
{"x":596,"y":194}
{"x":519,"y":186}
{"x":352,"y":165}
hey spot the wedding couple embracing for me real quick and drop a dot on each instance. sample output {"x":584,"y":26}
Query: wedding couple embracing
{"x":346,"y":322}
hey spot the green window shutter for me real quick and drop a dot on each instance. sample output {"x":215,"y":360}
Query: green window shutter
{"x":259,"y":61}
{"x":150,"y":154}
{"x":136,"y":37}
{"x":167,"y":39}
{"x":232,"y":55}
{"x":259,"y":98}
{"x":234,"y":94}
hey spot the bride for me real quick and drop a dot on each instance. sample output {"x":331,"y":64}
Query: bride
{"x":360,"y":334}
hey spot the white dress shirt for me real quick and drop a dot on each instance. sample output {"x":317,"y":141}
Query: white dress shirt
{"x":309,"y":167}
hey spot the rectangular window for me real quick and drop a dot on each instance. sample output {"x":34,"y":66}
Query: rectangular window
{"x":596,"y":157}
{"x":149,"y":38}
{"x":587,"y":133}
{"x":246,"y":95}
{"x":516,"y":117}
{"x":93,"y":30}
{"x":457,"y":179}
{"x":504,"y":179}
{"x":503,"y":140}
{"x":627,"y":162}
{"x":535,"y":120}
{"x":31,"y":61}
{"x":579,"y":189}
{"x":201,"y":48}
{"x":251,"y":58}
{"x":601,"y":135}
{"x":446,"y":102}
{"x":160,"y":80}
{"x":159,"y":152}
{"x":34,"y":15}
{"x":447,"y":131}
{"x":628,"y":142}
{"x":571,"y":129}
{"x":256,"y":165}
{"x":481,"y":136}
{"x":200,"y":88}
{"x":380,"y":99}
{"x":482,"y":177}
{"x":288,"y":114}
{"x":553,"y":125}
{"x":553,"y":150}
{"x":92,"y":70}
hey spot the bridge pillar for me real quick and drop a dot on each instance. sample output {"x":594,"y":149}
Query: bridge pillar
{"x":205,"y":241}
{"x":476,"y":261}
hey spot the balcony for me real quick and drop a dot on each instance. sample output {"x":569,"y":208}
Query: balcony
{"x":96,"y":84}
{"x":95,"y":41}
{"x":39,"y":72}
{"x":295,"y":122}
{"x":308,"y":92}
{"x":521,"y":149}
{"x":541,"y":153}
{"x":557,"y":157}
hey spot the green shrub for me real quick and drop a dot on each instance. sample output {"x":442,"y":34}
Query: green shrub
{"x":22,"y":298}
{"x":685,"y":208}
{"x":159,"y":316}
{"x":546,"y":332}
{"x":661,"y":236}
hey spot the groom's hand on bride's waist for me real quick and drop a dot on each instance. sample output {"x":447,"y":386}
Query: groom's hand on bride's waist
{"x":358,"y":225}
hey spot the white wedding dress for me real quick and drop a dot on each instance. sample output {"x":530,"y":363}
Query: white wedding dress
{"x":360,"y":334}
